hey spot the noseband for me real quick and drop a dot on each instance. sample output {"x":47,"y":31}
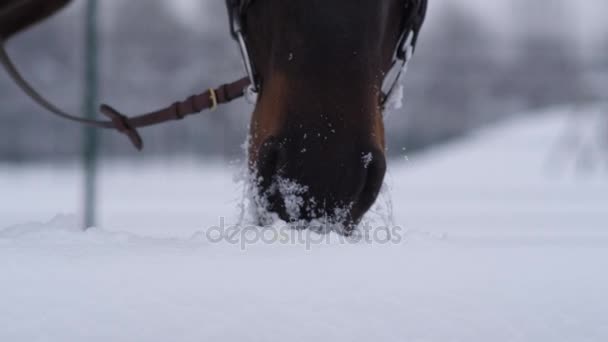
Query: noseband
{"x":248,"y":86}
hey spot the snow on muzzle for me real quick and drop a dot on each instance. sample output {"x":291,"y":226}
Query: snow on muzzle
{"x":333,"y":183}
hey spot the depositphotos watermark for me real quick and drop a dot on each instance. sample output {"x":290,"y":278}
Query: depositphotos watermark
{"x":307,"y":235}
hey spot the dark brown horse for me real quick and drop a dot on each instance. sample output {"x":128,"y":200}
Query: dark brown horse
{"x":317,"y":131}
{"x":321,"y":72}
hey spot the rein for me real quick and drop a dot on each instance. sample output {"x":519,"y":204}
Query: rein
{"x":212,"y":98}
{"x":209,"y":99}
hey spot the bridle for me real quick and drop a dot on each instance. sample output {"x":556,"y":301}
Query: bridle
{"x":248,"y":86}
{"x":236,"y":14}
{"x":237,"y":11}
{"x":405,"y":48}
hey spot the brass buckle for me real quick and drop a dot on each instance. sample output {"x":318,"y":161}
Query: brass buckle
{"x":213,"y":98}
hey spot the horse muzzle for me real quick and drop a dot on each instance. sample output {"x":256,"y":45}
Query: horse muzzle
{"x":317,"y":182}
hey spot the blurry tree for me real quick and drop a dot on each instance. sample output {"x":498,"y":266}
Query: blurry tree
{"x":455,"y":68}
{"x":158,"y":59}
{"x":548,"y":73}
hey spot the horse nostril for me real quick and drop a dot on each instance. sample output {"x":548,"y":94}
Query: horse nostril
{"x":376,"y":169}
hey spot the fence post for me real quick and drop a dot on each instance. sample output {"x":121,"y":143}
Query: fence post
{"x":91,"y":138}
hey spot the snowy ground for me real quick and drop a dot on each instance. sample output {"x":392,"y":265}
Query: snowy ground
{"x":502,"y":239}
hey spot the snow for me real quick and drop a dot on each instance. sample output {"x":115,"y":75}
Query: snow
{"x":367,"y":159}
{"x":501,"y":239}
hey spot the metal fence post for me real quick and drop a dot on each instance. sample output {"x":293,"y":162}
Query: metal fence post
{"x":91,"y":138}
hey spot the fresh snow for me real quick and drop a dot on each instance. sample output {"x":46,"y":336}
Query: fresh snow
{"x":503,"y":237}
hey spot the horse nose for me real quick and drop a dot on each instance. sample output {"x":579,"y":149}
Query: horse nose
{"x":298,"y":186}
{"x":374,"y":164}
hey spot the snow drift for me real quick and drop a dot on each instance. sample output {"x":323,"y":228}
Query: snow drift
{"x":504,"y":239}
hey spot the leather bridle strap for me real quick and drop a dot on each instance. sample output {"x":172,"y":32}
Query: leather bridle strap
{"x":209,"y":99}
{"x":194,"y":104}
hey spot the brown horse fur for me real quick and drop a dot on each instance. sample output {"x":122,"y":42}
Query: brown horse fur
{"x":321,"y":65}
{"x":17,"y":15}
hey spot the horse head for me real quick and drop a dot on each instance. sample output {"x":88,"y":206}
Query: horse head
{"x":317,"y":144}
